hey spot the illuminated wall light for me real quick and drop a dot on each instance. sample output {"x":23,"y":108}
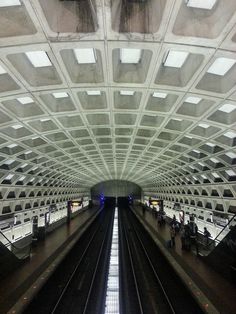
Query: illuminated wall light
{"x":38,"y":58}
{"x":2,"y":70}
{"x":175,"y":59}
{"x":9,"y":3}
{"x":17,"y":126}
{"x":201,"y":4}
{"x":159,"y":95}
{"x":60,"y":95}
{"x":193,"y":100}
{"x":93,"y":93}
{"x":85,"y":55}
{"x":227,"y":108}
{"x":25,"y":100}
{"x":221,"y":66}
{"x":126,"y":93}
{"x":128,"y":55}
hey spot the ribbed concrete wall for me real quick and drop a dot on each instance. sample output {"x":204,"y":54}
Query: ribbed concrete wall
{"x":116,"y":188}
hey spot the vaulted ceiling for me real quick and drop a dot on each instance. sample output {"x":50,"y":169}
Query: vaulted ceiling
{"x":143,"y":91}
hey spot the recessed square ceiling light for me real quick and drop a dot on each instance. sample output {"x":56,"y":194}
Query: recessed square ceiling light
{"x":38,"y":58}
{"x":196,"y":151}
{"x":35,"y":137}
{"x":12,"y":145}
{"x":22,"y":178}
{"x":175,"y":59}
{"x":93,"y":92}
{"x":128,"y":55}
{"x":28,"y":152}
{"x":60,"y":95}
{"x":231,"y":173}
{"x":9,"y":161}
{"x":231,"y":155}
{"x":201,"y":4}
{"x":221,"y":66}
{"x":227,"y":108}
{"x":126,"y":93}
{"x":2,"y":70}
{"x":210,"y":144}
{"x":176,"y":119}
{"x":159,"y":95}
{"x":9,"y":177}
{"x":203,"y":176}
{"x":17,"y":126}
{"x":204,"y":125}
{"x":45,"y":119}
{"x":24,"y":165}
{"x":215,"y":175}
{"x":230,"y":134}
{"x":193,"y":100}
{"x":25,"y":100}
{"x":85,"y":55}
{"x":9,"y":3}
{"x":190,"y":137}
{"x":216,"y":161}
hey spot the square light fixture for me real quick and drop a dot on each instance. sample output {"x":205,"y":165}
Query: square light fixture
{"x":9,"y":3}
{"x":126,"y":93}
{"x":17,"y":126}
{"x":221,"y":66}
{"x":175,"y":59}
{"x":45,"y":120}
{"x":22,"y":178}
{"x":24,"y":165}
{"x":201,"y":4}
{"x":2,"y":70}
{"x":128,"y":55}
{"x":85,"y":55}
{"x":60,"y":95}
{"x":196,"y":151}
{"x":227,"y":108}
{"x":93,"y":93}
{"x":28,"y":152}
{"x":230,"y":134}
{"x":193,"y":100}
{"x":204,"y":125}
{"x":25,"y":100}
{"x":159,"y":95}
{"x":38,"y":59}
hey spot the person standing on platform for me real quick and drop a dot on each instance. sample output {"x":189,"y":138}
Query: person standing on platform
{"x":194,"y":234}
{"x":206,"y":235}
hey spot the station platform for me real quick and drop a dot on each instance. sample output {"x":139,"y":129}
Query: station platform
{"x":211,"y":290}
{"x":22,"y":284}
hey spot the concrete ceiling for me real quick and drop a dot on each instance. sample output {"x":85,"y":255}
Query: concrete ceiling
{"x":152,"y":100}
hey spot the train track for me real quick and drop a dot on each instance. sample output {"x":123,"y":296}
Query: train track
{"x":152,"y":284}
{"x":73,"y":288}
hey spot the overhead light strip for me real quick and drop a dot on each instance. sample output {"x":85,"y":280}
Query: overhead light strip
{"x":201,"y":4}
{"x":9,"y":3}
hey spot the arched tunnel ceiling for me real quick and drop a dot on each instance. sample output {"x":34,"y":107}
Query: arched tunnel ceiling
{"x":98,"y":90}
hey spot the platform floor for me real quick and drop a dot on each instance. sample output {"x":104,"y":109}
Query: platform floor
{"x":217,"y":289}
{"x":17,"y":288}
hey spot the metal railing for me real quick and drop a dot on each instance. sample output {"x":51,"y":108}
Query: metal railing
{"x":20,"y":252}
